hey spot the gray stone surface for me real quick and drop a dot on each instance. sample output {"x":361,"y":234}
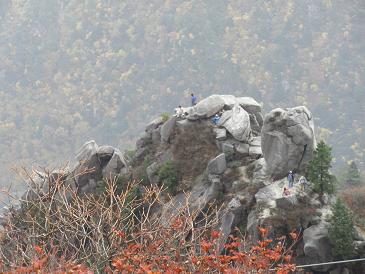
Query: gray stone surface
{"x":117,"y":165}
{"x":105,"y":152}
{"x":88,"y":170}
{"x":156,"y":136}
{"x":255,"y":152}
{"x":228,"y":149}
{"x":217,"y":165}
{"x":288,"y":140}
{"x":154,"y":124}
{"x":87,"y":149}
{"x":144,"y":140}
{"x":167,"y":128}
{"x":287,"y":203}
{"x":237,"y":123}
{"x":204,"y":193}
{"x":255,"y":141}
{"x":317,"y":247}
{"x":152,"y":172}
{"x":220,"y":133}
{"x":243,"y":149}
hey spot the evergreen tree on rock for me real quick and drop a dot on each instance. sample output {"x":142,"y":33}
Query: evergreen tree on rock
{"x":318,"y":170}
{"x":353,"y":175}
{"x":341,"y":231}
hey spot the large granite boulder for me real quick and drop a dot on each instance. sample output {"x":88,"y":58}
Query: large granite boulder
{"x":237,"y":122}
{"x":95,"y":163}
{"x":288,"y":140}
{"x":214,"y":103}
{"x":206,"y":107}
{"x":317,"y":246}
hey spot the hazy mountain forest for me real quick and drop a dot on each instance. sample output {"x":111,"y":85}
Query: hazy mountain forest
{"x":74,"y":70}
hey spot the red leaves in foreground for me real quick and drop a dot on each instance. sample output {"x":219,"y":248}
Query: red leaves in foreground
{"x":169,"y":257}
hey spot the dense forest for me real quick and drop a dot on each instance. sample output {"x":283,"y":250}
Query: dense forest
{"x":74,"y":70}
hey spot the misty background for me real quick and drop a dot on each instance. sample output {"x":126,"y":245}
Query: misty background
{"x":73,"y":70}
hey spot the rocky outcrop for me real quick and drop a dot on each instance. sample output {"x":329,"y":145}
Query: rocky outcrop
{"x":94,"y":164}
{"x":288,"y":140}
{"x":167,"y":129}
{"x":232,"y":165}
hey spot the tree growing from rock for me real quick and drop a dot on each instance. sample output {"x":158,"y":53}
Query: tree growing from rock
{"x":353,"y":177}
{"x":341,"y":231}
{"x":318,"y":170}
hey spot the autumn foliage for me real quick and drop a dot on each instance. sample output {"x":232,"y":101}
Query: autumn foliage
{"x":120,"y":233}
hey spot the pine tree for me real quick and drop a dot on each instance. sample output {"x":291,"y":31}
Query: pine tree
{"x":318,"y":170}
{"x":353,"y":175}
{"x":341,"y":231}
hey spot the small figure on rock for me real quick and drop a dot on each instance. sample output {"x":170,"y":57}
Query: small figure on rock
{"x":179,"y":112}
{"x":286,"y":192}
{"x":303,"y":183}
{"x":291,"y":179}
{"x":193,"y":99}
{"x":215,"y":119}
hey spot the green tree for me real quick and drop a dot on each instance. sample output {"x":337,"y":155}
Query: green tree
{"x":318,"y":170}
{"x":353,"y":175}
{"x":168,"y":176}
{"x":341,"y":231}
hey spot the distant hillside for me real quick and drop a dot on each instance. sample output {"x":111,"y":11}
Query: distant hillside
{"x":77,"y":70}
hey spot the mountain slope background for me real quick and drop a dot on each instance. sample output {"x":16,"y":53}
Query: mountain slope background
{"x":76,"y":70}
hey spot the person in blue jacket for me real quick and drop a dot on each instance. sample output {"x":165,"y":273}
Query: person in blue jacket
{"x":215,"y":119}
{"x":193,"y":99}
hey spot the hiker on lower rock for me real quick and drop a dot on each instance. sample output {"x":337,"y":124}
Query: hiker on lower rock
{"x":291,"y":179}
{"x":303,"y":183}
{"x":286,"y":192}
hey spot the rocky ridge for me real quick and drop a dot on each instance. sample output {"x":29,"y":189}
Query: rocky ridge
{"x":240,"y":163}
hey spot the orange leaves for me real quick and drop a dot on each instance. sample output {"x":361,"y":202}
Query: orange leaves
{"x":263,"y":231}
{"x":214,"y":234}
{"x":169,"y":256}
{"x":174,"y":254}
{"x":206,"y":246}
{"x":39,"y":250}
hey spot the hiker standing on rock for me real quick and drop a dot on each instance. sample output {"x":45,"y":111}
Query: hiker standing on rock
{"x":303,"y":183}
{"x":291,"y":179}
{"x":193,"y":99}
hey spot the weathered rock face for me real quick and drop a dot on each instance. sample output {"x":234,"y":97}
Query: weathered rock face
{"x":317,"y":247}
{"x":217,"y":165}
{"x":167,"y":129}
{"x":237,"y":122}
{"x":95,"y":164}
{"x":288,"y":140}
